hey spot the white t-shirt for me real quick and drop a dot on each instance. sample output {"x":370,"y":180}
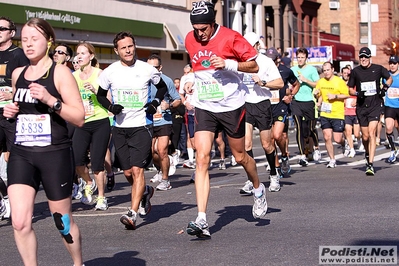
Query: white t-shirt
{"x":129,"y":87}
{"x":184,"y":79}
{"x":268,"y":71}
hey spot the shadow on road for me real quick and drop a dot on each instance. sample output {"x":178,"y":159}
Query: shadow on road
{"x":121,"y":258}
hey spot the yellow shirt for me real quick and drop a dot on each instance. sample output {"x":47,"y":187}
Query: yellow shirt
{"x":332,"y":108}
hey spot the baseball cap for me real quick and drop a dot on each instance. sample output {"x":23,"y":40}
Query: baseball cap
{"x":394,"y":59}
{"x":365,"y":51}
{"x":272,"y":53}
{"x":252,"y":38}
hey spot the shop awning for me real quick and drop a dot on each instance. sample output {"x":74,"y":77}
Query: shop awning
{"x":341,"y":51}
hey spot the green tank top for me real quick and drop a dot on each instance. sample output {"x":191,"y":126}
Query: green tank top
{"x":93,"y":109}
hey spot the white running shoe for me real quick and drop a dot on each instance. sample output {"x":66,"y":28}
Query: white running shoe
{"x":8,"y":208}
{"x":316,"y":155}
{"x":176,"y":156}
{"x":172,"y":166}
{"x":233,"y":161}
{"x":102,"y":204}
{"x":199,"y":228}
{"x":192,"y":179}
{"x":189,"y":164}
{"x":267,"y":167}
{"x":247,"y":188}
{"x":78,"y":189}
{"x":157,"y":177}
{"x":88,"y":191}
{"x":222,"y":164}
{"x":361,"y":147}
{"x":259,"y":208}
{"x":164,"y":185}
{"x":346,"y":152}
{"x":274,"y":183}
{"x":332,"y":164}
{"x":352,"y":153}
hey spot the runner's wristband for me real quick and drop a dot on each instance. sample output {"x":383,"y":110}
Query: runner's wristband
{"x":231,"y":65}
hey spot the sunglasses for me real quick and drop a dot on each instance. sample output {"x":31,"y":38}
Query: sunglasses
{"x":59,"y":52}
{"x":74,"y":63}
{"x":363,"y":56}
{"x":4,"y":29}
{"x":393,"y":63}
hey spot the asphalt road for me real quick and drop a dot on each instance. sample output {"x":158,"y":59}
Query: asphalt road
{"x":316,"y":206}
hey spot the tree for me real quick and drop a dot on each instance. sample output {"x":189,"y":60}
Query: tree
{"x":391,"y":46}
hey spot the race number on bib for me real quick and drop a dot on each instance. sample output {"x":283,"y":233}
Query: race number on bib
{"x":275,"y":99}
{"x":393,"y":93}
{"x":326,"y":107}
{"x":33,"y":128}
{"x":248,"y":81}
{"x":87,"y":102}
{"x":210,"y":90}
{"x":130,"y":98}
{"x":5,"y":89}
{"x":369,"y":88}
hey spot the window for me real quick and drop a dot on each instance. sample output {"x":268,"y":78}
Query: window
{"x":335,"y":28}
{"x":363,"y":28}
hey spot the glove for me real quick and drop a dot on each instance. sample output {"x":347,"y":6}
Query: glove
{"x":115,"y":108}
{"x":151,"y":107}
{"x":360,"y":94}
{"x":381,"y":93}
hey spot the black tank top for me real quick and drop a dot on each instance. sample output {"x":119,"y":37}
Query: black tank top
{"x":27,"y":105}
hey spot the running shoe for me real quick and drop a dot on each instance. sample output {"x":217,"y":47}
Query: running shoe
{"x":267,"y":167}
{"x":279,"y":173}
{"x":274,"y":183}
{"x":7,"y":214}
{"x":247,"y":188}
{"x":110,"y":182}
{"x":212,"y":155}
{"x":3,"y":208}
{"x":361,"y":147}
{"x":172,"y":166}
{"x":199,"y":228}
{"x":303,"y":161}
{"x":88,"y":191}
{"x":285,"y":165}
{"x":369,"y":170}
{"x":346,"y":152}
{"x":78,"y":189}
{"x":129,"y":220}
{"x":222,"y":164}
{"x":352,"y":153}
{"x":259,"y":208}
{"x":392,"y":157}
{"x":176,"y":156}
{"x":316,"y":155}
{"x":157,"y":177}
{"x":192,"y":179}
{"x":331,"y":164}
{"x":102,"y":204}
{"x":189,"y":164}
{"x":233,"y":161}
{"x":145,"y":204}
{"x":164,"y":185}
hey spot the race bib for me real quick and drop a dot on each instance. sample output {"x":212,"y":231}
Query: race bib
{"x":326,"y":107}
{"x":87,"y":102}
{"x":393,"y":93}
{"x":33,"y":128}
{"x":130,"y":98}
{"x":349,"y":102}
{"x":369,"y":88}
{"x":210,"y":90}
{"x":275,"y":99}
{"x":158,"y":115}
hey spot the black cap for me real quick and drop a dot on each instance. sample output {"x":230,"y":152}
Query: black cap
{"x":272,"y":53}
{"x":365,"y":51}
{"x":394,"y":59}
{"x":202,"y":13}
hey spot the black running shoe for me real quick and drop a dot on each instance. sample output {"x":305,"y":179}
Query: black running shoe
{"x":111,"y":182}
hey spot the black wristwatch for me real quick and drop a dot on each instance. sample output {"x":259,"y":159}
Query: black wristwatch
{"x":56,"y":106}
{"x":264,"y":83}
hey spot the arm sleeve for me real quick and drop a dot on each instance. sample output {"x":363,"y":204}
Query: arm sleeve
{"x":102,"y":98}
{"x":162,"y":89}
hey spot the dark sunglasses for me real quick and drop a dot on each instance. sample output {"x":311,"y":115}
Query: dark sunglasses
{"x":363,"y":56}
{"x":59,"y":52}
{"x":4,"y":29}
{"x":393,"y":63}
{"x":74,"y":63}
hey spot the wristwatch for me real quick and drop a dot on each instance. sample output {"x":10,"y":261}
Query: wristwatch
{"x":56,"y":106}
{"x":264,"y":83}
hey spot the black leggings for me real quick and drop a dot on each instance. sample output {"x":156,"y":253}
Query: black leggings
{"x":304,"y":130}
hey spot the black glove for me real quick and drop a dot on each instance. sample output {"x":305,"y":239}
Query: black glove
{"x":151,"y":107}
{"x":381,"y":93}
{"x":360,"y":94}
{"x":115,"y":108}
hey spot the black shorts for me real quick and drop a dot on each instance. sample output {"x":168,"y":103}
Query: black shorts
{"x":55,"y":170}
{"x":190,"y":125}
{"x":259,"y":115}
{"x":368,"y":114}
{"x":392,"y":112}
{"x":303,"y":109}
{"x":280,"y":111}
{"x":233,"y":122}
{"x":7,"y":133}
{"x":95,"y":136}
{"x":351,"y":120}
{"x":337,"y":125}
{"x":133,"y":146}
{"x":164,"y":130}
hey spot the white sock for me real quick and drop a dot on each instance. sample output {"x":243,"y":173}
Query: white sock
{"x":190,"y":152}
{"x":258,"y":192}
{"x":202,"y":215}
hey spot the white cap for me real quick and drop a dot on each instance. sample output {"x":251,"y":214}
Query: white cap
{"x":252,"y":38}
